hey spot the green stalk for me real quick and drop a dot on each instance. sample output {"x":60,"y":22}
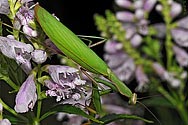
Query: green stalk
{"x":9,"y":109}
{"x":39,"y":102}
{"x":168,"y":42}
{"x":10,"y":82}
{"x":183,"y":112}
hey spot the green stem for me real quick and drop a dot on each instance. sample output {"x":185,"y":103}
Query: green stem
{"x":36,"y":122}
{"x":5,"y":106}
{"x":167,"y":96}
{"x":183,"y":112}
{"x":10,"y":82}
{"x":39,"y":105}
{"x":168,"y":43}
{"x":178,"y":104}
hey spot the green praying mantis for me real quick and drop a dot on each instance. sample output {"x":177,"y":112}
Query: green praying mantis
{"x":74,"y":48}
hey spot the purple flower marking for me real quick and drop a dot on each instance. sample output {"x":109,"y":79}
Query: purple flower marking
{"x":18,"y":51}
{"x":66,"y":84}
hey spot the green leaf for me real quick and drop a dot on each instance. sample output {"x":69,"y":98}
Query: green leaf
{"x":157,"y":101}
{"x":15,"y":120}
{"x":113,"y":117}
{"x":96,"y":99}
{"x":69,"y":109}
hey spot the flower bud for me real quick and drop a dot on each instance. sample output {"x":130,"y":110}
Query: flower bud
{"x":125,"y":16}
{"x":124,"y":3}
{"x":149,"y":4}
{"x":180,"y":36}
{"x":39,"y":56}
{"x":181,"y":56}
{"x":5,"y":122}
{"x":176,"y":9}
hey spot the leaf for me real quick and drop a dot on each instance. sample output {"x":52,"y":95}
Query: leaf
{"x":157,"y":101}
{"x":113,"y":117}
{"x":69,"y":109}
{"x":96,"y":99}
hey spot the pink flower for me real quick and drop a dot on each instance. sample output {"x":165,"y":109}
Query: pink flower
{"x":39,"y":56}
{"x":124,"y":3}
{"x":141,"y":78}
{"x":5,"y":122}
{"x":26,"y":97}
{"x":181,"y":56}
{"x":175,"y":9}
{"x":125,"y":16}
{"x":18,"y":51}
{"x":65,"y":84}
{"x":4,"y":7}
{"x":180,"y":36}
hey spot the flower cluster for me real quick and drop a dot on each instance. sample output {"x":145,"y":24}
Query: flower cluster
{"x":28,"y":49}
{"x":65,"y":84}
{"x":135,"y":21}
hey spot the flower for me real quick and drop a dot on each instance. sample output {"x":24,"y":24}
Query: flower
{"x":175,"y":8}
{"x":26,"y":97}
{"x":121,"y":64}
{"x":135,"y":21}
{"x":4,"y":7}
{"x":180,"y":36}
{"x":25,"y":1}
{"x":124,"y":3}
{"x":1,"y":108}
{"x":66,"y":84}
{"x":181,"y":56}
{"x":165,"y":75}
{"x":141,"y":78}
{"x":18,"y":51}
{"x":51,"y":47}
{"x":39,"y":56}
{"x":179,"y":32}
{"x":5,"y":122}
{"x":25,"y":17}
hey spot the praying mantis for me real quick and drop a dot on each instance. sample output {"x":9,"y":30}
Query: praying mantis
{"x":78,"y":51}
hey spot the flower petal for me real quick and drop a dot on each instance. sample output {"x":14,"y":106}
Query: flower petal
{"x":4,"y":7}
{"x":26,"y":97}
{"x":180,"y":36}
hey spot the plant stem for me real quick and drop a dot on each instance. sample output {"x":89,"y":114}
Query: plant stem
{"x":183,"y":112}
{"x":39,"y":102}
{"x":5,"y":106}
{"x":178,"y":104}
{"x":10,"y":82}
